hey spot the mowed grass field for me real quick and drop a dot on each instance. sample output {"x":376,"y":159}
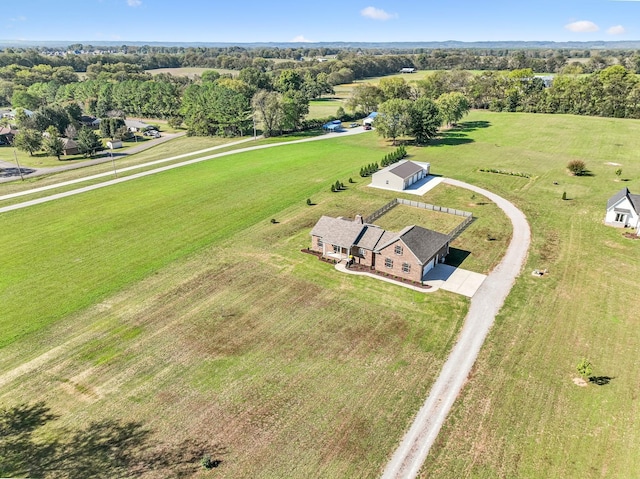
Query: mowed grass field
{"x":175,"y":303}
{"x":521,"y":415}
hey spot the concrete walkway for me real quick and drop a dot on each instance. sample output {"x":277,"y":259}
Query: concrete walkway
{"x":442,"y":276}
{"x":407,"y":460}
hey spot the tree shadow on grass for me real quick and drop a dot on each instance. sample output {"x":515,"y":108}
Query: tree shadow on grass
{"x":102,"y":449}
{"x":466,"y":126}
{"x":451,"y":139}
{"x":600,"y":380}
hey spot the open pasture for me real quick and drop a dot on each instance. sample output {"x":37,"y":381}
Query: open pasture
{"x":173,"y":301}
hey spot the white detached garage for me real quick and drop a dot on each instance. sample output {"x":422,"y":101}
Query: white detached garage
{"x":399,"y":176}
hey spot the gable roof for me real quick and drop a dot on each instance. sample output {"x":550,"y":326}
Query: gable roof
{"x":68,"y":143}
{"x":370,"y":237}
{"x":406,"y":169}
{"x":338,"y":231}
{"x":423,"y":243}
{"x":624,"y":193}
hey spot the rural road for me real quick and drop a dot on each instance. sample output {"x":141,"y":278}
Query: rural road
{"x":84,"y":189}
{"x":31,"y":172}
{"x":485,"y":305}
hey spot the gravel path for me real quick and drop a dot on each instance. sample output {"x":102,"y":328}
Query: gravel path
{"x":414,"y":448}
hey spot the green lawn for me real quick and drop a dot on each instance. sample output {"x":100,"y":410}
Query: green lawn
{"x":521,"y":415}
{"x":173,"y":301}
{"x":324,"y":107}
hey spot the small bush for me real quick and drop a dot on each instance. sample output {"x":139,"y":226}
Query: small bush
{"x":273,"y":221}
{"x":505,"y":172}
{"x":564,"y":195}
{"x":577,"y":167}
{"x":350,"y":180}
{"x":309,"y":201}
{"x":333,"y":188}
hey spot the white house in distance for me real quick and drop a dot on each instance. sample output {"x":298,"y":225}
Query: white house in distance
{"x":399,"y":176}
{"x":623,"y":210}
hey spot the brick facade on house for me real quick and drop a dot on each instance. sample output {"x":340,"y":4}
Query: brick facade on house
{"x":408,"y":254}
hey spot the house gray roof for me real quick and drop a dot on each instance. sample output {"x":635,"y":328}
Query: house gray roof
{"x":370,"y":237}
{"x":624,"y":192}
{"x":68,"y":143}
{"x":338,"y":231}
{"x":422,"y":242}
{"x":141,"y":125}
{"x":406,"y":169}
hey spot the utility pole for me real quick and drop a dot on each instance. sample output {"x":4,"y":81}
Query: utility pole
{"x":115,"y":173}
{"x":18,"y":163}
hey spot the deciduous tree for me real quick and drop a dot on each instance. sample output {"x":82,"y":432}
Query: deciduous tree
{"x":28,"y":140}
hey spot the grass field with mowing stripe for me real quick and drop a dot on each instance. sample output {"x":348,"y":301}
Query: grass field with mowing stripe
{"x":174,"y":302}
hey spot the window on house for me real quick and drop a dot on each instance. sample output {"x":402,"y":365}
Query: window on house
{"x":388,"y":262}
{"x":620,"y":217}
{"x":336,"y":248}
{"x":319,"y":242}
{"x":398,"y":249}
{"x":406,"y":268}
{"x":363,"y":252}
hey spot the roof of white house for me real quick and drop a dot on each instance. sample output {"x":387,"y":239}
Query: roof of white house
{"x":136,"y":124}
{"x":624,"y":193}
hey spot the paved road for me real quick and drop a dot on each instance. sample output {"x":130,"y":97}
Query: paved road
{"x":414,"y":448}
{"x":77,"y":191}
{"x":11,"y":172}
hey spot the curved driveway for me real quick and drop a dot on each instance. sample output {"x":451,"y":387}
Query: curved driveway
{"x":412,"y":452}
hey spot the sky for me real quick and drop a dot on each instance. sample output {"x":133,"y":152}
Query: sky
{"x":312,"y":21}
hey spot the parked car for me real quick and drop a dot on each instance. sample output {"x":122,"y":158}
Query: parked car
{"x":354,"y":125}
{"x":367,"y":126}
{"x":152,"y":133}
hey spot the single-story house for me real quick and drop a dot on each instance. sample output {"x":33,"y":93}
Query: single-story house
{"x":623,"y":210}
{"x":69,"y":147}
{"x":370,"y":119}
{"x":7,"y":135}
{"x":408,"y":70}
{"x":90,"y":121}
{"x":399,"y":176}
{"x":114,"y":144}
{"x":137,"y":125}
{"x":409,"y":254}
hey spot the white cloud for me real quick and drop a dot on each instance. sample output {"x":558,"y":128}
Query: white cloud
{"x":616,"y":30}
{"x":301,"y":39}
{"x":582,"y":26}
{"x":134,"y":3}
{"x":377,"y":14}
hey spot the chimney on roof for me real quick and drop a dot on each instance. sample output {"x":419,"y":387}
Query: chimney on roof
{"x":358,"y":219}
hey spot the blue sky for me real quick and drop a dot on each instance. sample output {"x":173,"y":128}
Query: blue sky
{"x":302,"y":20}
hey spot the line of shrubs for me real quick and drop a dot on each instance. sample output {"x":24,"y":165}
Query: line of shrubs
{"x":369,"y":170}
{"x":389,"y":159}
{"x":394,"y":157}
{"x":505,"y":172}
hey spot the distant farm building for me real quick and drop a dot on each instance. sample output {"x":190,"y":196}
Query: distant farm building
{"x":408,"y":70}
{"x":7,"y":134}
{"x":399,"y":176}
{"x":409,"y":254}
{"x":623,"y":210}
{"x":114,"y":144}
